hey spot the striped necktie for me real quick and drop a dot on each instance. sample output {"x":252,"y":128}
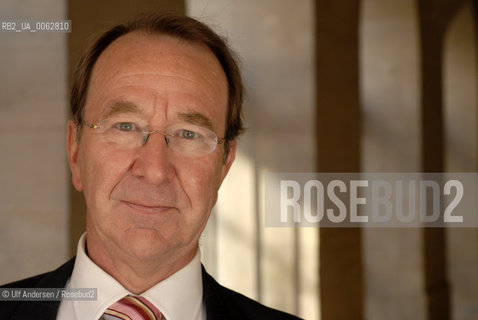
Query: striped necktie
{"x":132,"y":308}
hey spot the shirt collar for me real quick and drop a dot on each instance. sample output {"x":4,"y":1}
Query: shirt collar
{"x":178,"y":297}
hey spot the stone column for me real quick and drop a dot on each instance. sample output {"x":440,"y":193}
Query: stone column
{"x":33,"y":179}
{"x":390,"y":97}
{"x":338,"y":150}
{"x":434,"y":18}
{"x":460,"y":102}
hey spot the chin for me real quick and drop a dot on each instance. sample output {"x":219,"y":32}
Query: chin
{"x":143,"y":243}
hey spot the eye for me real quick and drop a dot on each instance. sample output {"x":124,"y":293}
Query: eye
{"x":188,"y":134}
{"x":126,"y":126}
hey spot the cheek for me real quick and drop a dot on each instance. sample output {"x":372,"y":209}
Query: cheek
{"x":101,"y":169}
{"x":201,"y":181}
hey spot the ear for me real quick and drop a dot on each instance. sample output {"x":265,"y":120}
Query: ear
{"x":72,"y":153}
{"x":231,"y":155}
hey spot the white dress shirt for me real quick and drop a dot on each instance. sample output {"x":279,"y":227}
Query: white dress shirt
{"x":178,"y":297}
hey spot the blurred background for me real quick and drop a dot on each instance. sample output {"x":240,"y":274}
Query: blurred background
{"x":332,"y":86}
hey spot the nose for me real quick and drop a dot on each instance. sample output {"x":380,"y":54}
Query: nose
{"x":161,"y":132}
{"x":152,"y":161}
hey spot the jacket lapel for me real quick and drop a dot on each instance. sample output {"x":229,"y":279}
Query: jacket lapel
{"x":217,"y":306}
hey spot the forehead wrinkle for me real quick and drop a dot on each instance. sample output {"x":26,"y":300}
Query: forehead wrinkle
{"x":159,"y":74}
{"x":120,"y":107}
{"x":197,"y":119}
{"x":133,"y":78}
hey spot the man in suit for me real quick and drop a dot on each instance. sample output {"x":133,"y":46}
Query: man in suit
{"x":156,"y":110}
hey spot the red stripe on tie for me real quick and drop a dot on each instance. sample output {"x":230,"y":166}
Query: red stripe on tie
{"x":151,"y":306}
{"x":134,"y":308}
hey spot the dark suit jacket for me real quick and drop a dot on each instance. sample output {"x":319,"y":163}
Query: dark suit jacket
{"x":221,"y":303}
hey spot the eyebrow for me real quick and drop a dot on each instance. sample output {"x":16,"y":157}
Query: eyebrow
{"x":197,"y":119}
{"x":121,"y":107}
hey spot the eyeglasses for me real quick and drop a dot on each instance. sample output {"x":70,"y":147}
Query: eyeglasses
{"x":184,"y":138}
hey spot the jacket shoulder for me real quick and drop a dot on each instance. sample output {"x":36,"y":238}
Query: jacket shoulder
{"x":52,"y":279}
{"x":223,"y":303}
{"x":36,"y":309}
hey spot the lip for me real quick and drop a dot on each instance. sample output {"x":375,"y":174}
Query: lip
{"x":146,"y":209}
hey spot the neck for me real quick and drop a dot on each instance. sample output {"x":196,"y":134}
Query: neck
{"x":137,"y":275}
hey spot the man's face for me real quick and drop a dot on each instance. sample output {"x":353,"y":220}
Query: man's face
{"x":147,"y":202}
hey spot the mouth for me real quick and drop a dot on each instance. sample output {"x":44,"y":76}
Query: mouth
{"x":147,"y":208}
